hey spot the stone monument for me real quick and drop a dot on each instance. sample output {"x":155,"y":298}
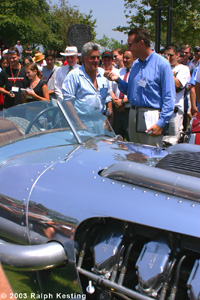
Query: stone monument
{"x":78,"y":35}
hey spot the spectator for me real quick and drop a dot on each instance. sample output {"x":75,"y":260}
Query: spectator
{"x":3,"y":64}
{"x":197,"y":87}
{"x":107,"y":65}
{"x":186,"y":56}
{"x":193,"y":98}
{"x":1,"y":50}
{"x":38,"y":90}
{"x":39,"y":60}
{"x":27,"y":61}
{"x":181,"y":76}
{"x":48,"y":72}
{"x":71,"y":55}
{"x":121,"y":104}
{"x":196,"y":60}
{"x":88,"y":85}
{"x":186,"y":49}
{"x":107,"y":61}
{"x":13,"y":78}
{"x":118,"y":58}
{"x":20,"y":48}
{"x":28,"y":51}
{"x":150,"y":90}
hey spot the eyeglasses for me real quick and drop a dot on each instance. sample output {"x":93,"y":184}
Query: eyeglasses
{"x":169,"y":54}
{"x":185,"y":52}
{"x":115,"y":56}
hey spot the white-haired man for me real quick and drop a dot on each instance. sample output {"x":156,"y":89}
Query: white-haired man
{"x":87,"y":85}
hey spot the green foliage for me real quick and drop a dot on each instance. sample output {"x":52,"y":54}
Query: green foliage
{"x":109,"y":44}
{"x":61,"y":17}
{"x":186,"y":19}
{"x":37,"y":22}
{"x":24,"y":20}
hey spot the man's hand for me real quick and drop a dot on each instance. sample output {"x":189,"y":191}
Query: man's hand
{"x":111,"y":76}
{"x":11,"y":94}
{"x":154,"y":130}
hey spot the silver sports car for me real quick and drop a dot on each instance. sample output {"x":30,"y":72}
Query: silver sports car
{"x":84,"y":214}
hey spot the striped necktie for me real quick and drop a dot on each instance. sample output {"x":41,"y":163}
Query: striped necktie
{"x":121,"y":95}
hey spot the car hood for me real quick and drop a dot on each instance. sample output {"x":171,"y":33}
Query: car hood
{"x":67,"y":181}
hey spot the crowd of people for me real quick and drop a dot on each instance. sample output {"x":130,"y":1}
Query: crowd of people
{"x":148,"y":96}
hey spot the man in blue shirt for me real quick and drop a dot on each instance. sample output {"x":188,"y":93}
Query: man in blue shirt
{"x":87,"y":85}
{"x":150,"y":90}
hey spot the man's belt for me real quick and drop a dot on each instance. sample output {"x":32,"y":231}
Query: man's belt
{"x":150,"y":108}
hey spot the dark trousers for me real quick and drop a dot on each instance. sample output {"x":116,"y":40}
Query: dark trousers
{"x":121,"y":122}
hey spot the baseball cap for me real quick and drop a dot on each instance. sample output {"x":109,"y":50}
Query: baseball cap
{"x":107,"y":54}
{"x":197,"y":48}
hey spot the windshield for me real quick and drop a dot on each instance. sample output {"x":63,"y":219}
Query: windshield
{"x":41,"y":117}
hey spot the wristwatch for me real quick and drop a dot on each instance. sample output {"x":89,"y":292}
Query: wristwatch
{"x":122,"y":102}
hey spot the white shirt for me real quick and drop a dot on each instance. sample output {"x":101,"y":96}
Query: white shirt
{"x":41,"y":66}
{"x":113,"y":84}
{"x":182,"y":73}
{"x":197,"y":77}
{"x":116,"y":90}
{"x":60,"y":75}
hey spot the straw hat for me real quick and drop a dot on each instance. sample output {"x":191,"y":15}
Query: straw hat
{"x":38,"y":57}
{"x":69,"y":51}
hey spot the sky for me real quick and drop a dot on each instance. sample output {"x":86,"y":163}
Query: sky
{"x":108,"y":14}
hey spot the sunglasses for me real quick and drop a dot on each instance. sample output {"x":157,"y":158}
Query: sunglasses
{"x":169,"y":54}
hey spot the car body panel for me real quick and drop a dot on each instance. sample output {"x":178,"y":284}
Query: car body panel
{"x":95,"y":197}
{"x":38,"y":168}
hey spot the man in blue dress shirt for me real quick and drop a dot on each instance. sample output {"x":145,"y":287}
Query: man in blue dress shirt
{"x":150,"y":90}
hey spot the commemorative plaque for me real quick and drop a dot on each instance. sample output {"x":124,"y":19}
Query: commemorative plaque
{"x":78,"y":35}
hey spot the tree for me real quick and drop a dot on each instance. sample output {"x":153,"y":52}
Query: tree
{"x":62,"y":15}
{"x":186,"y":19}
{"x":23,"y":20}
{"x":37,"y":22}
{"x":109,"y":44}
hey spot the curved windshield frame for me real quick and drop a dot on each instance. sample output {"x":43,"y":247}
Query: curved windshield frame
{"x":42,"y":117}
